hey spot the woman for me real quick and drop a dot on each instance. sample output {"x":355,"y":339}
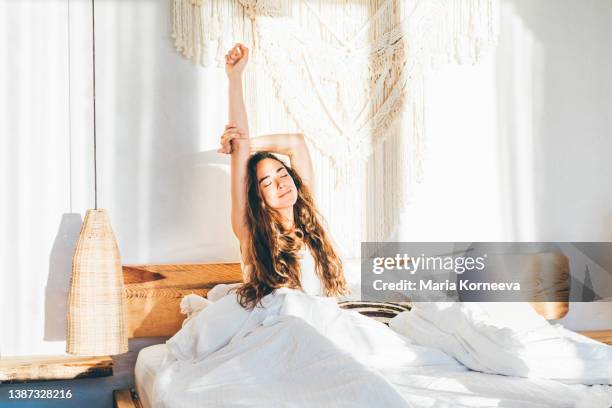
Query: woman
{"x":282,"y":239}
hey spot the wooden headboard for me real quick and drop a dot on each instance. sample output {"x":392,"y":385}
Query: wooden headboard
{"x":154,"y":293}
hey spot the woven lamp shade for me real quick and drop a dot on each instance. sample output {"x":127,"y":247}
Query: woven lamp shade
{"x":96,"y":303}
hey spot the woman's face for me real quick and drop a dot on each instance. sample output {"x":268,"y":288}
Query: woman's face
{"x":276,"y":185}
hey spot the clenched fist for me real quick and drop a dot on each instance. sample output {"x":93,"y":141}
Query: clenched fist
{"x":231,"y":132}
{"x":235,"y":60}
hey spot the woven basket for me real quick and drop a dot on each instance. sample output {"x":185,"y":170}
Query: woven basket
{"x":96,"y":303}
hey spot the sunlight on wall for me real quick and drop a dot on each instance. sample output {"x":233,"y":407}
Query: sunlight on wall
{"x":458,"y":199}
{"x":479,"y":182}
{"x":161,"y":116}
{"x":126,"y":60}
{"x":4,"y":180}
{"x":519,"y":77}
{"x":35,"y":149}
{"x":212,"y":119}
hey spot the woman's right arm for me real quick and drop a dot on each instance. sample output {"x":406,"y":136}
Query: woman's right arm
{"x":237,"y":142}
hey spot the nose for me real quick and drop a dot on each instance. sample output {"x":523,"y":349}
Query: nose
{"x":282,"y":186}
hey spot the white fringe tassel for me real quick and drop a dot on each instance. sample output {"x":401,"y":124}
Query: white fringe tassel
{"x":350,"y":76}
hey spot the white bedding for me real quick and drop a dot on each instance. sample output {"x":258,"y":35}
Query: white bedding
{"x":147,"y":365}
{"x":435,"y":388}
{"x":509,"y":339}
{"x":304,"y":351}
{"x":471,"y":389}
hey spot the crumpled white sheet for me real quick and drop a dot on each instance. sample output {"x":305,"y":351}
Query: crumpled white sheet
{"x":283,"y":364}
{"x":191,"y":304}
{"x":507,"y":338}
{"x":296,"y":350}
{"x":225,"y":321}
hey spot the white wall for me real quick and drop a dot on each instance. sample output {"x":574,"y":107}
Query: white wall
{"x":519,"y":146}
{"x":166,"y":188}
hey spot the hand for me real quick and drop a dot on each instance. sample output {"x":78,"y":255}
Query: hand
{"x":236,"y":59}
{"x":231,"y":132}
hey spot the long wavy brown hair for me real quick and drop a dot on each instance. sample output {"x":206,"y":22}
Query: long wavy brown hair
{"x":273,"y":249}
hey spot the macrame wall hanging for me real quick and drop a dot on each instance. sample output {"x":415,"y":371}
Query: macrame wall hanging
{"x":350,"y":75}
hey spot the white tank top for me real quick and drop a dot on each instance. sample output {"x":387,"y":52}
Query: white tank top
{"x":309,"y":279}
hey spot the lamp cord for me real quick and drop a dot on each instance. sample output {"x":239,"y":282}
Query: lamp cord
{"x":93,"y":55}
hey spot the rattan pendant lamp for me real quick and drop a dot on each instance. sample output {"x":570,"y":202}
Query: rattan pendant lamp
{"x":96,"y":303}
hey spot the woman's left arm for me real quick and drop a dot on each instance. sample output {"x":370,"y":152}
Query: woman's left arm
{"x":292,"y":145}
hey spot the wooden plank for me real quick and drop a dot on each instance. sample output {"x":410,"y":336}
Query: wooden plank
{"x":42,"y":368}
{"x":551,"y":310}
{"x":126,"y":398}
{"x":604,"y":336}
{"x":185,"y":276}
{"x":544,"y":277}
{"x":154,"y":292}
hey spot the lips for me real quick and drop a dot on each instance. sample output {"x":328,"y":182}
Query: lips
{"x":284,"y":194}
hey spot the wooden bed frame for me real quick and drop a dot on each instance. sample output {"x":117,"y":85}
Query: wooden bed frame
{"x":154,"y":292}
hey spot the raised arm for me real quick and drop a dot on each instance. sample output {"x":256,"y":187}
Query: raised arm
{"x":235,"y":140}
{"x":235,"y":62}
{"x":292,"y":145}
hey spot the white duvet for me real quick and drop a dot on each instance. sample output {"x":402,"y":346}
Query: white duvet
{"x":509,"y":339}
{"x":302,"y":350}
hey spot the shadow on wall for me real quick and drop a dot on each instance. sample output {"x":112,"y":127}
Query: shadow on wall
{"x":555,"y":113}
{"x":58,"y":280}
{"x":167,"y":193}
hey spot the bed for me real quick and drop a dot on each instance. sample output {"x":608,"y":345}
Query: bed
{"x":149,"y":360}
{"x":154,"y":293}
{"x":423,"y":389}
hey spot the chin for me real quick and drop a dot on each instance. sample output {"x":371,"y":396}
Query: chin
{"x":292,"y":199}
{"x":286,"y":202}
